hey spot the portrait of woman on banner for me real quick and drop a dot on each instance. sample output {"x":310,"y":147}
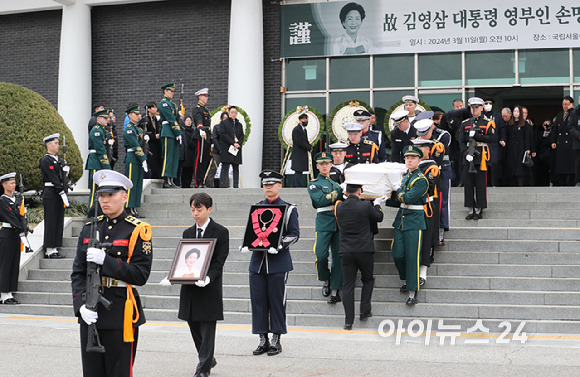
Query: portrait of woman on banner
{"x":350,"y":42}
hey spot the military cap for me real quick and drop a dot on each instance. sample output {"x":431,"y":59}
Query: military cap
{"x":132,"y":108}
{"x":169,"y":86}
{"x":7,"y":177}
{"x":50,"y":138}
{"x":361,"y":115}
{"x":422,"y":142}
{"x":111,"y":181}
{"x":424,"y":115}
{"x":412,"y":150}
{"x":101,"y":113}
{"x":202,"y":92}
{"x":422,"y":126}
{"x":398,"y":116}
{"x":410,"y":99}
{"x":353,"y":127}
{"x":338,"y":147}
{"x":323,"y":157}
{"x":475,"y":101}
{"x":269,"y":177}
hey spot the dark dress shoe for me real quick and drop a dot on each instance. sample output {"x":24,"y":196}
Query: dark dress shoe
{"x":403,"y":288}
{"x":10,"y":301}
{"x":478,"y":215}
{"x":166,"y":185}
{"x":275,"y":346}
{"x":56,"y":255}
{"x":470,"y":216}
{"x":334,"y":299}
{"x":412,"y":300}
{"x":326,"y":289}
{"x":421,"y":282}
{"x":213,"y":363}
{"x":348,"y":326}
{"x":201,"y":374}
{"x":264,"y":345}
{"x":365,"y":316}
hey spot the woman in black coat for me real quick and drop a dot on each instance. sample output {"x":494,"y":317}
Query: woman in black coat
{"x":231,"y":135}
{"x":187,"y":153}
{"x":519,"y":141}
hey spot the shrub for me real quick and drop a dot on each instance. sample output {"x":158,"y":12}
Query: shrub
{"x":25,"y":119}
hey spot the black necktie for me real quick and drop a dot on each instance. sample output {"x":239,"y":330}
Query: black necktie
{"x":199,"y":232}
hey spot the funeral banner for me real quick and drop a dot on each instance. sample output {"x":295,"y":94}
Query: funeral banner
{"x":369,"y":27}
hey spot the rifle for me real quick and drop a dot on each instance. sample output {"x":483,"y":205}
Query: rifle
{"x":144,"y":144}
{"x":182,"y":108}
{"x":472,"y":149}
{"x":65,"y":179}
{"x":23,"y":214}
{"x":94,"y":289}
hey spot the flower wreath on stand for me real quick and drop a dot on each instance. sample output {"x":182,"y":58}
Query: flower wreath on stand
{"x":242,"y":117}
{"x":342,"y":115}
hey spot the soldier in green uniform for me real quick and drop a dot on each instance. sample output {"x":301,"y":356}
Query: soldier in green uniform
{"x":324,"y":193}
{"x":359,"y":151}
{"x":135,"y":159}
{"x":202,"y":136}
{"x":97,"y":158}
{"x":170,"y":136}
{"x":410,"y":222}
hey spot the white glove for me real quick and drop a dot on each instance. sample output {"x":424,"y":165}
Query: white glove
{"x":178,"y":139}
{"x":202,"y":133}
{"x":25,"y":241}
{"x":181,"y":114}
{"x":88,"y":315}
{"x":469,"y":158}
{"x":96,"y":255}
{"x":146,"y":137}
{"x":244,"y":249}
{"x":165,"y":282}
{"x":471,"y":133}
{"x":66,"y":169}
{"x":145,"y":168}
{"x":64,"y":199}
{"x":396,"y":186}
{"x":272,"y":251}
{"x":202,"y":283}
{"x":111,"y":141}
{"x":379,"y":201}
{"x":158,"y":117}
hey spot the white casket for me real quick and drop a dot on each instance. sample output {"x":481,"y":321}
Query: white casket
{"x":382,"y":178}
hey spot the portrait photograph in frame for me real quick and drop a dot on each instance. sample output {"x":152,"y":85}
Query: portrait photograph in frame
{"x":264,"y":227}
{"x":191,"y":260}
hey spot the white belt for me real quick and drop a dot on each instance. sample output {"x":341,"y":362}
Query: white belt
{"x":7,"y":225}
{"x":430,"y":198}
{"x":446,"y":157}
{"x":324,"y":209}
{"x":48,"y":184}
{"x":111,"y":283}
{"x":165,"y":122}
{"x":130,"y":150}
{"x":412,"y":206}
{"x":92,"y":151}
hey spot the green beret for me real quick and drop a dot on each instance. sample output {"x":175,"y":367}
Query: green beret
{"x":323,"y":157}
{"x":169,"y":86}
{"x":101,"y":113}
{"x":412,"y":150}
{"x":132,"y":109}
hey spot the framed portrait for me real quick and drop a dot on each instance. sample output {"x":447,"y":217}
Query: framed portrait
{"x":191,"y":260}
{"x":264,"y":227}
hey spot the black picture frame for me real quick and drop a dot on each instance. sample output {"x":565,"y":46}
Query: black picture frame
{"x":266,"y":216}
{"x":180,"y":272}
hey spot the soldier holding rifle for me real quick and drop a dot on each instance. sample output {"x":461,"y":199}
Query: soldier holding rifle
{"x":114,"y":252}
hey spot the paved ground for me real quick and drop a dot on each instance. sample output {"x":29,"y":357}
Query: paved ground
{"x":49,"y":346}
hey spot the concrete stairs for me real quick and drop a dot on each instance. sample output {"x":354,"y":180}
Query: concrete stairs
{"x":520,"y":263}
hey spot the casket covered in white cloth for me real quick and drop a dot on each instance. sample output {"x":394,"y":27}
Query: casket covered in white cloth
{"x":377,"y":179}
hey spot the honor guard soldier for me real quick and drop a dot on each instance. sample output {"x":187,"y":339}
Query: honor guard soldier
{"x":170,"y":136}
{"x":410,"y":105}
{"x":475,"y":135}
{"x":338,"y":151}
{"x":269,"y":273}
{"x":124,"y":257}
{"x":444,"y":138}
{"x":359,"y":151}
{"x":135,"y":159}
{"x":354,"y":217}
{"x":401,"y":134}
{"x":324,"y":193}
{"x":363,"y":118}
{"x":97,"y":158}
{"x":431,"y":171}
{"x":202,"y":135}
{"x":54,"y":198}
{"x":12,"y":238}
{"x":410,"y":222}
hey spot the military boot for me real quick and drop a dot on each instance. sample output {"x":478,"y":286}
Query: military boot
{"x":264,"y":345}
{"x":275,"y":346}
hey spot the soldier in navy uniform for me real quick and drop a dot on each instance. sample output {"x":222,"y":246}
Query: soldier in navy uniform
{"x":125,"y":262}
{"x":401,"y":134}
{"x":444,"y":138}
{"x":338,"y":151}
{"x":12,"y":234}
{"x":324,"y":193}
{"x":202,"y":137}
{"x":359,"y":151}
{"x":363,"y":118}
{"x":410,"y":105}
{"x":269,"y":273}
{"x":54,"y":198}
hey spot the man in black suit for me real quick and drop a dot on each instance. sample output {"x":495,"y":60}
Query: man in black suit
{"x":300,"y":149}
{"x":401,"y":134}
{"x":354,"y":217}
{"x":231,"y":136}
{"x":201,"y":304}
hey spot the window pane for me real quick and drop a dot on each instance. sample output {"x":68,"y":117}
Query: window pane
{"x":440,"y":69}
{"x":394,"y":71}
{"x":544,"y":66}
{"x":576,"y":54}
{"x":318,"y":103}
{"x":306,"y":74}
{"x":490,"y":68}
{"x":347,"y":73}
{"x":336,"y":98}
{"x":443,"y":101}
